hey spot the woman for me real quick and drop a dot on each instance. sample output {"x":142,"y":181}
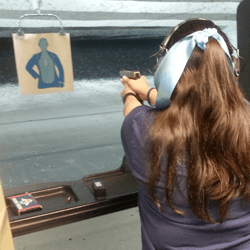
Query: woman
{"x":189,"y":152}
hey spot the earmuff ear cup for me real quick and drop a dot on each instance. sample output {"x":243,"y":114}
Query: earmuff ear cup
{"x":236,"y":65}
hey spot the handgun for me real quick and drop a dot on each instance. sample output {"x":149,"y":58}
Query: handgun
{"x":130,"y":74}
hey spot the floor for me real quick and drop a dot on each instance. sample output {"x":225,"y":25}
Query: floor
{"x":120,"y":230}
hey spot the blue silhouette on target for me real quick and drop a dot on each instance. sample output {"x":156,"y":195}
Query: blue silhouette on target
{"x":46,"y":63}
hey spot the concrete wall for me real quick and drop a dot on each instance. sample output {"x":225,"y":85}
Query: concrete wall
{"x":93,"y":16}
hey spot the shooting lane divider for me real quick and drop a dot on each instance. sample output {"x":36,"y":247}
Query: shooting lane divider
{"x":6,"y":240}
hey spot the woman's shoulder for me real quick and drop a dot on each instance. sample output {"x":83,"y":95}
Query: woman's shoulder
{"x":141,"y":112}
{"x":138,"y":120}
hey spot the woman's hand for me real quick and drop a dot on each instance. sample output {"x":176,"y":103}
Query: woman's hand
{"x":139,"y":86}
{"x":126,"y":90}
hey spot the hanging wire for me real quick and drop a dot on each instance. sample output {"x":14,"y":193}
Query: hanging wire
{"x":39,"y":3}
{"x":21,"y":33}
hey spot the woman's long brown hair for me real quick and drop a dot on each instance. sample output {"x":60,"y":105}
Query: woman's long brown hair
{"x":207,"y":126}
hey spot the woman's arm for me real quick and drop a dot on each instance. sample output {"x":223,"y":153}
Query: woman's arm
{"x":131,"y":101}
{"x":140,"y":86}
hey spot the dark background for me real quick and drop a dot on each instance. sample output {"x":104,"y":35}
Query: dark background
{"x":92,"y":59}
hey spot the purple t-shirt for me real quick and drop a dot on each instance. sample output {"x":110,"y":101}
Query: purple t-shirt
{"x":169,"y":230}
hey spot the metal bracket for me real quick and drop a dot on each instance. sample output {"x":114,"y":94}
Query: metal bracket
{"x":21,"y":33}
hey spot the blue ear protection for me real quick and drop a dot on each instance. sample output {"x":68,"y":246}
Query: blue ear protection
{"x":171,"y":63}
